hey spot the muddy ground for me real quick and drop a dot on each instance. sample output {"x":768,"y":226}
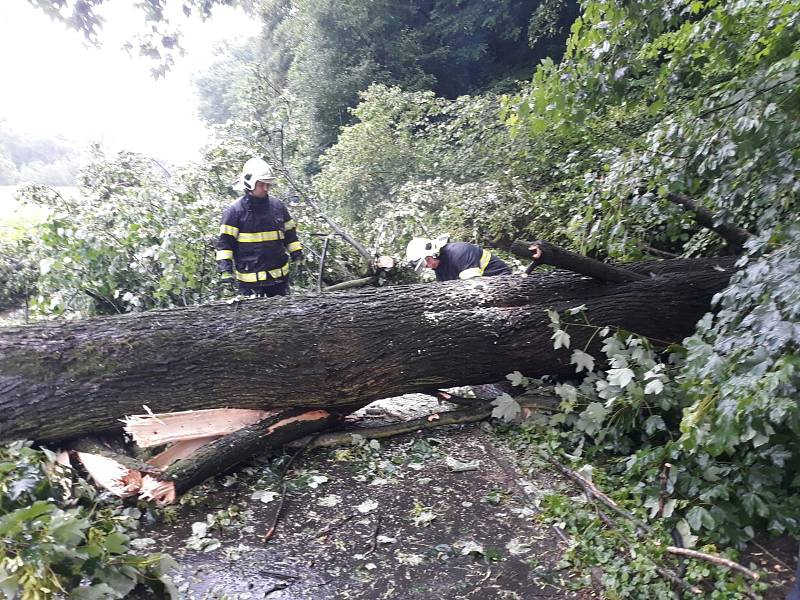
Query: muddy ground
{"x":436,"y":514}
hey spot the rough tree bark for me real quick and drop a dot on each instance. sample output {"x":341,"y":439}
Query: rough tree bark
{"x":60,"y":380}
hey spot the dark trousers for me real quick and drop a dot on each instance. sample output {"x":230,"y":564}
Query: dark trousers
{"x":266,"y":289}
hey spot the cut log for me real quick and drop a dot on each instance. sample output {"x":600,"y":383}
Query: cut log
{"x":62,"y":380}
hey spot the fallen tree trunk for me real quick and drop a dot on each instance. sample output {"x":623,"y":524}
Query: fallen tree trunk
{"x":61,"y":380}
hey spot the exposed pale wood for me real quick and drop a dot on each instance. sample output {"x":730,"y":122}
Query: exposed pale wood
{"x":110,"y":475}
{"x":226,"y":452}
{"x":180,"y":450}
{"x":158,"y":491}
{"x":96,"y":445}
{"x":154,"y":430}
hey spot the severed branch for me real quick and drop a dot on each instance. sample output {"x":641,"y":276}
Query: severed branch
{"x":592,"y":491}
{"x":228,"y":451}
{"x":545,"y":253}
{"x":100,"y":447}
{"x":713,"y":558}
{"x":353,"y":283}
{"x":733,"y":234}
{"x":454,"y":417}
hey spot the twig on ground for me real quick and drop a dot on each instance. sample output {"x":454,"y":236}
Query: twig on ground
{"x":271,"y":531}
{"x":713,"y":558}
{"x":374,"y":542}
{"x":335,"y":525}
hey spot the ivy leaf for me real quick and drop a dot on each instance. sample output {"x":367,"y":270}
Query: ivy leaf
{"x":620,"y":377}
{"x":516,"y":378}
{"x":582,"y":360}
{"x":654,"y":386}
{"x":561,"y":338}
{"x":505,"y":408}
{"x":689,"y":540}
{"x":576,"y":310}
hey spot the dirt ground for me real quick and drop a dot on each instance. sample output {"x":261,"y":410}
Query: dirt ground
{"x":436,"y":514}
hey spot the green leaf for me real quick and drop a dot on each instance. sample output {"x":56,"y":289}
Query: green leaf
{"x":9,"y":522}
{"x":582,"y":360}
{"x":505,"y":408}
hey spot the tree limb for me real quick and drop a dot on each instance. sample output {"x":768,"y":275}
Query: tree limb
{"x":734,"y":235}
{"x":545,"y":253}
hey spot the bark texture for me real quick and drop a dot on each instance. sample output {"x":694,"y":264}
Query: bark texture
{"x":60,"y":380}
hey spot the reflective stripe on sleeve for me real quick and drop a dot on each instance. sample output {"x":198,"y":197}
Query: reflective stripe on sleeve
{"x":263,"y":275}
{"x":224,"y":255}
{"x":477,"y":271}
{"x":261,"y":236}
{"x":294,"y":247}
{"x":290,"y":224}
{"x":485,"y":258}
{"x":229,"y":229}
{"x":470,"y":273}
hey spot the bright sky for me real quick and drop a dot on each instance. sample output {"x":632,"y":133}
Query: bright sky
{"x":52,"y":83}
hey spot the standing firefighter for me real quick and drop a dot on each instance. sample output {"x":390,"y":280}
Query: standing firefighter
{"x":255,"y":236}
{"x":453,"y":260}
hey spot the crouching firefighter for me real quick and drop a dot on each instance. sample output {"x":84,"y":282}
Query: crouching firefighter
{"x":255,"y":236}
{"x":453,"y":260}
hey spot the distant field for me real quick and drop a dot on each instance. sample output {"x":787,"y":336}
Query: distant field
{"x":17,"y":217}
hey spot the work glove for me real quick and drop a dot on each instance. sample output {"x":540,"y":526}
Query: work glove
{"x":298,"y":258}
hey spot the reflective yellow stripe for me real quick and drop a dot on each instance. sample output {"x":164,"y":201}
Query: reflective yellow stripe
{"x":229,"y":229}
{"x":262,"y":275}
{"x":224,"y":254}
{"x":261,"y":236}
{"x":226,"y":276}
{"x":294,"y":246}
{"x":477,"y":271}
{"x":290,"y":224}
{"x":485,"y":258}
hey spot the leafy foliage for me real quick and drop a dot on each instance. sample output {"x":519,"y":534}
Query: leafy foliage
{"x":61,"y":538}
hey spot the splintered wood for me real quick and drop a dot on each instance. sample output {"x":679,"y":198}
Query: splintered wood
{"x":154,"y":430}
{"x":110,"y":475}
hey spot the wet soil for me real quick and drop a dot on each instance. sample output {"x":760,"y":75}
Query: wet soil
{"x":436,"y":514}
{"x":443,"y":513}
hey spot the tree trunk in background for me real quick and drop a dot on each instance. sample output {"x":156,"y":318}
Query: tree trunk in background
{"x":59,"y":380}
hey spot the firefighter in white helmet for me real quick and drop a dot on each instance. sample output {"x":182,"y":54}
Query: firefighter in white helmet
{"x":453,"y":260}
{"x":256,"y":235}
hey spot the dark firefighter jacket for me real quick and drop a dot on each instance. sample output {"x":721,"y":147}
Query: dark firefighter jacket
{"x":254,"y":237}
{"x":462,"y":260}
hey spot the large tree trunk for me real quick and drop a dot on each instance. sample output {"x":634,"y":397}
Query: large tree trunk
{"x":59,"y":380}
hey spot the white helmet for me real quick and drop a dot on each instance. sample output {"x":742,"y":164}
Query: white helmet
{"x":254,"y":170}
{"x":420,"y":248}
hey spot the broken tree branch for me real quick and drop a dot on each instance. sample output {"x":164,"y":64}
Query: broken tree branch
{"x":545,"y":253}
{"x":592,"y":490}
{"x":95,"y":445}
{"x":733,"y":234}
{"x":713,"y":558}
{"x":226,"y":452}
{"x":353,"y":283}
{"x":454,"y":417}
